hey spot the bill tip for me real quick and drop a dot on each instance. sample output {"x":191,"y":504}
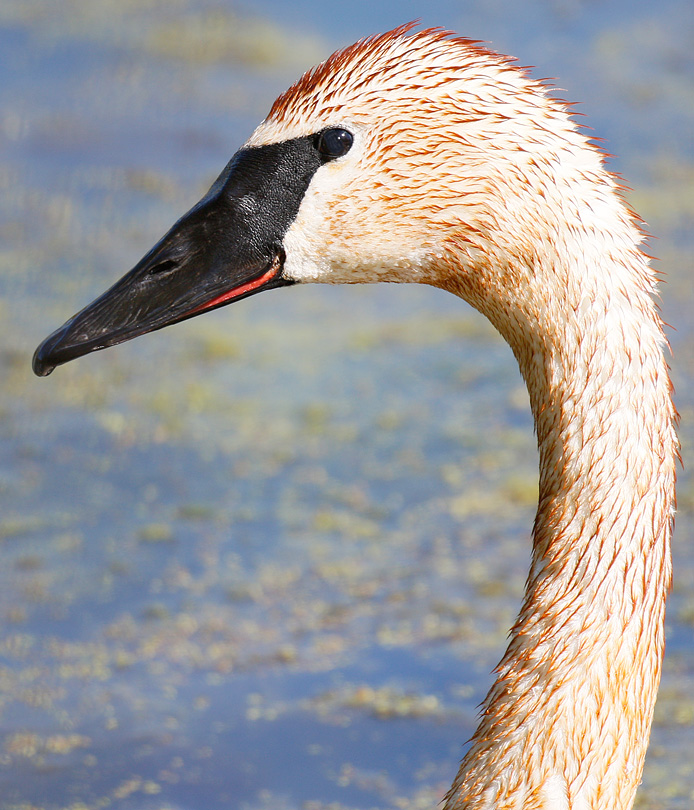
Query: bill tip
{"x":39,"y":365}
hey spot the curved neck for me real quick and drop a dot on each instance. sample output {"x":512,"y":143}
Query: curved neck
{"x":566,"y":723}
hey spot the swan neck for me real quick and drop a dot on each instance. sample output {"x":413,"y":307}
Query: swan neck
{"x":566,"y":724}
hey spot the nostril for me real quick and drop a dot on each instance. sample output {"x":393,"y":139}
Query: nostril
{"x":162,"y":267}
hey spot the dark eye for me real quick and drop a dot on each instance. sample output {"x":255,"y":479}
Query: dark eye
{"x":334,"y":143}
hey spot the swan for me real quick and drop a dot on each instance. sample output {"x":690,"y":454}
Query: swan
{"x":420,"y":156}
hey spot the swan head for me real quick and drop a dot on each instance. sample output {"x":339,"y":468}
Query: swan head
{"x":408,"y":157}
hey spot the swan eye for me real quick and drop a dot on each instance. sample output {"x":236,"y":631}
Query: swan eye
{"x":334,"y":143}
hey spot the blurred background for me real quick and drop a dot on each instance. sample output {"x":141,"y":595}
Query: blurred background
{"x":268,"y":558}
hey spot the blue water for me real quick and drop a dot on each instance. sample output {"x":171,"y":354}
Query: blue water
{"x":213,"y":538}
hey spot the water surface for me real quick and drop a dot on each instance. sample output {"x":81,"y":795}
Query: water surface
{"x":269,"y":557}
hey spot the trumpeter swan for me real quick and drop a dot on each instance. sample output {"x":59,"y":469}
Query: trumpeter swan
{"x":422,"y":157}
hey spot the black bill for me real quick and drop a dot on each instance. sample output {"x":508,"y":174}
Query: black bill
{"x":227,"y":247}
